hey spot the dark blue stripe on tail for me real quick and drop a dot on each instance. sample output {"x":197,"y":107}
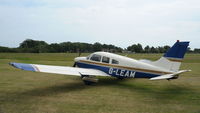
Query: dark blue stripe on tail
{"x":178,"y":50}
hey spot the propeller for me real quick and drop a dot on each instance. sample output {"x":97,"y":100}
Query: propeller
{"x":79,"y":54}
{"x":74,"y":64}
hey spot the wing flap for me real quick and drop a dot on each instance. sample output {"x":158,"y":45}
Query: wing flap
{"x":58,"y":69}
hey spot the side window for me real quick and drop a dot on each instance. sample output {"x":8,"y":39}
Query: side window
{"x":96,"y":58}
{"x":105,"y":59}
{"x":115,"y":61}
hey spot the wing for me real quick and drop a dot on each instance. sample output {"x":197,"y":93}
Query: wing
{"x":58,"y":69}
{"x":168,"y":76}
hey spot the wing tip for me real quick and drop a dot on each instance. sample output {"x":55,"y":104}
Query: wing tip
{"x":13,"y":64}
{"x":23,"y":66}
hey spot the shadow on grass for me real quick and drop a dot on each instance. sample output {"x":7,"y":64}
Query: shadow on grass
{"x":70,"y":87}
{"x":56,"y":89}
{"x":22,"y":96}
{"x":162,"y":93}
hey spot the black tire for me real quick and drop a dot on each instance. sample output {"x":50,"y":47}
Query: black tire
{"x":88,"y":82}
{"x":120,"y":78}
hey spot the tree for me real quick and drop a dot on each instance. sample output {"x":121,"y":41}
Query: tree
{"x":6,"y":49}
{"x":160,"y":49}
{"x":166,"y":48}
{"x":153,"y":50}
{"x":196,"y":50}
{"x":147,"y":49}
{"x":53,"y":48}
{"x":135,"y":48}
{"x":33,"y":46}
{"x":97,"y":46}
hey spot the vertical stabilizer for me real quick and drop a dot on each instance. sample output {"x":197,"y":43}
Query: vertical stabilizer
{"x":173,"y":57}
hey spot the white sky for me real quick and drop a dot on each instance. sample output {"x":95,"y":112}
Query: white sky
{"x":118,"y":22}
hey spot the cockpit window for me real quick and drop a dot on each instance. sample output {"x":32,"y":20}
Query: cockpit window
{"x":115,"y":61}
{"x":105,"y":59}
{"x":96,"y":57}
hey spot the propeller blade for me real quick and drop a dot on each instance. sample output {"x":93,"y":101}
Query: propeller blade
{"x":79,"y":54}
{"x":74,"y":64}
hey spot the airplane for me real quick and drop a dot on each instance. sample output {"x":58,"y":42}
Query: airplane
{"x":110,"y":64}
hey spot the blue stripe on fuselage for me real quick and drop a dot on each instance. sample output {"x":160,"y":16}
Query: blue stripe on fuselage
{"x":117,"y":72}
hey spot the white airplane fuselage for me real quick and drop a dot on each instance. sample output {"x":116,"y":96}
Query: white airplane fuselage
{"x":110,"y":64}
{"x":123,"y":67}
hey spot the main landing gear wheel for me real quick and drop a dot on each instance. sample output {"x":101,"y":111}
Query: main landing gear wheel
{"x":120,"y":78}
{"x":89,"y":80}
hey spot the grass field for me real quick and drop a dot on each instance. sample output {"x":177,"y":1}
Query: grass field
{"x":31,"y":92}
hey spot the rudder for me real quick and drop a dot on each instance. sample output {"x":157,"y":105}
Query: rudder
{"x":177,"y":51}
{"x":173,"y":57}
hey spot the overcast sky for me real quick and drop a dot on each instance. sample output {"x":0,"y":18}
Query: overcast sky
{"x":117,"y":22}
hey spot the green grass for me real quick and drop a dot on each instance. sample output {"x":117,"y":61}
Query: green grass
{"x":30,"y":92}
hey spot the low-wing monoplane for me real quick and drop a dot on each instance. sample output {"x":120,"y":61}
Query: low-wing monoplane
{"x":109,"y":64}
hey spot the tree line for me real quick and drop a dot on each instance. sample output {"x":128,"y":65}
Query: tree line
{"x":35,"y":46}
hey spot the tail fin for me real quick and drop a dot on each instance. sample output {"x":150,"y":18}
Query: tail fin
{"x":173,"y":57}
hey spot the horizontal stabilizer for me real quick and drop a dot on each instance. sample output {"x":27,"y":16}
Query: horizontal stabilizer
{"x":169,"y":76}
